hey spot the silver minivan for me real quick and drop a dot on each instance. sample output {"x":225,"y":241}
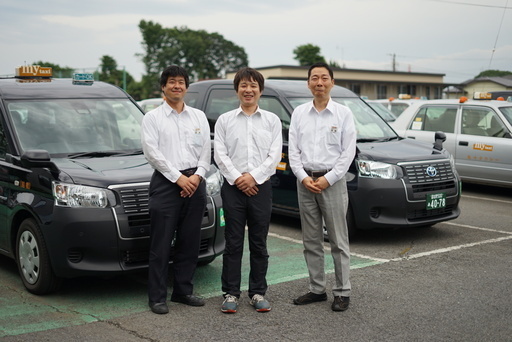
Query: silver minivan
{"x":478,"y":135}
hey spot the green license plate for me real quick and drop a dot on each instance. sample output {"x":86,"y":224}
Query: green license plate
{"x":436,"y":201}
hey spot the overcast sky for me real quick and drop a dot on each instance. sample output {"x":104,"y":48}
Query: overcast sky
{"x":458,"y":38}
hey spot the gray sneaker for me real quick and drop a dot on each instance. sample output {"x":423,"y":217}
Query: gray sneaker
{"x":230,"y":304}
{"x":260,"y":303}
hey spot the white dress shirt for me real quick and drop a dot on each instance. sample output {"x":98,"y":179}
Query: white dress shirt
{"x":323,"y":140}
{"x":248,"y":143}
{"x":173,"y":142}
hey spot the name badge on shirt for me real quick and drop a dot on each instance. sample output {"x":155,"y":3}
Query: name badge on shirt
{"x":334,"y":129}
{"x":198,"y":138}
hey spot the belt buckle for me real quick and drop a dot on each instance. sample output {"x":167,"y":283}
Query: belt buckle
{"x":317,"y":174}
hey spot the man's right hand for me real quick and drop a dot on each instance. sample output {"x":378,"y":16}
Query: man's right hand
{"x":188,"y":185}
{"x":311,"y":185}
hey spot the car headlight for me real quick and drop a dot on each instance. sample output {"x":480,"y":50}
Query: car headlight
{"x":80,"y":196}
{"x":373,"y":169}
{"x":214,"y":183}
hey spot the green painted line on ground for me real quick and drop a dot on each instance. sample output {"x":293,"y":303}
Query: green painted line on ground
{"x":88,"y":300}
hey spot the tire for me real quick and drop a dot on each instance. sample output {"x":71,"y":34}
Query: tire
{"x":33,"y":261}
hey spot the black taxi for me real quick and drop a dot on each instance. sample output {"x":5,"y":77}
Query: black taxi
{"x":74,"y":181}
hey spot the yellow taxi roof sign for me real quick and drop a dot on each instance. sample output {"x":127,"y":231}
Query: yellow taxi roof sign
{"x":28,"y":71}
{"x":480,"y":95}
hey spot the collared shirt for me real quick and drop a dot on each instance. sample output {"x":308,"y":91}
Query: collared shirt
{"x":174,"y":141}
{"x":248,"y":143}
{"x":323,"y":140}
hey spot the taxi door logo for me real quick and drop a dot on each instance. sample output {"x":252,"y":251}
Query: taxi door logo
{"x":482,"y":147}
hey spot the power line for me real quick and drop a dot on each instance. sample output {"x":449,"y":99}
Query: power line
{"x":470,"y":4}
{"x":497,"y":36}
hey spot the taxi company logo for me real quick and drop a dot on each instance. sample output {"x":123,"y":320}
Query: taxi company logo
{"x":431,"y":171}
{"x":482,"y":147}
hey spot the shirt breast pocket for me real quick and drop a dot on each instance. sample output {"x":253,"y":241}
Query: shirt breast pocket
{"x":263,"y":139}
{"x":333,"y":136}
{"x":196,"y":138}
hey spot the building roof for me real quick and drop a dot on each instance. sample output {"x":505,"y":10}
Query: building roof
{"x":505,"y":81}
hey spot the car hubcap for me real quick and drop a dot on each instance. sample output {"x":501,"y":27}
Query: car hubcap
{"x":29,"y":257}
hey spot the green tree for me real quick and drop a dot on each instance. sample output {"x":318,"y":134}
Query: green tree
{"x":204,"y":55}
{"x":308,"y":54}
{"x":57,"y":70}
{"x":493,"y":73}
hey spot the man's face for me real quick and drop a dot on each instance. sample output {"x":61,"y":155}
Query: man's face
{"x":320,"y":82}
{"x":175,"y":89}
{"x":248,"y":93}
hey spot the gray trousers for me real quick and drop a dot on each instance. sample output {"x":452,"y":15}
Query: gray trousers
{"x":331,"y":205}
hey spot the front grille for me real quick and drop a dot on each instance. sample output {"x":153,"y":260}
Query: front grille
{"x":417,"y":172}
{"x":135,"y":200}
{"x":134,"y":220}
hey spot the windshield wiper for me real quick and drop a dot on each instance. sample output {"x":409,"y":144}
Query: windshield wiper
{"x":94,"y":154}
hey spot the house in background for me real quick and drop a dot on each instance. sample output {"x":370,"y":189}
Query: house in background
{"x":488,"y":84}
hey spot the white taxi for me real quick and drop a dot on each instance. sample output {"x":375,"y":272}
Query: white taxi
{"x":478,"y":134}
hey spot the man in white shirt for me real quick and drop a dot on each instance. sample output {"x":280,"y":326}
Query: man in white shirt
{"x":247,"y":149}
{"x":322,"y":145}
{"x":176,"y":143}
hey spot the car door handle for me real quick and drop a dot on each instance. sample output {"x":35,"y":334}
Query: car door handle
{"x":411,"y":137}
{"x":463,"y":143}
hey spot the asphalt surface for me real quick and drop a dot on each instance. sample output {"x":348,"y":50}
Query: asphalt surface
{"x":450,"y":282}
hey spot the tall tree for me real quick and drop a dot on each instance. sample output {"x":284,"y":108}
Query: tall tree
{"x":308,"y":54}
{"x":204,"y":55}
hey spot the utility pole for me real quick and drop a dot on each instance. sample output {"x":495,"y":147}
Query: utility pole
{"x":393,"y":63}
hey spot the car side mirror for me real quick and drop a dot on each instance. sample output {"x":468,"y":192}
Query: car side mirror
{"x":38,"y":158}
{"x":439,"y":139}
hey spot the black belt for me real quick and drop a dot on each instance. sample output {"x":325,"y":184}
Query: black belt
{"x":189,"y":172}
{"x":316,"y":173}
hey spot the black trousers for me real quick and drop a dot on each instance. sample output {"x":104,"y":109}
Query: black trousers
{"x":171,"y":214}
{"x":255,"y":211}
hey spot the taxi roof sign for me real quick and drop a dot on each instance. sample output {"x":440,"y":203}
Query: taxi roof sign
{"x":83,"y":77}
{"x":479,"y":95}
{"x":32,"y":71}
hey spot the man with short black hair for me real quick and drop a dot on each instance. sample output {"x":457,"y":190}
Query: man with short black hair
{"x":248,"y":144}
{"x":176,"y":143}
{"x":322,"y":145}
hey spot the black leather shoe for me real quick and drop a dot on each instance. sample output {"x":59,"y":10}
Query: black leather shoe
{"x":188,"y":300}
{"x":340,"y":303}
{"x":159,"y":308}
{"x":309,"y":298}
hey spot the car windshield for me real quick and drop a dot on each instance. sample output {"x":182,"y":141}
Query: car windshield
{"x":382,"y":111}
{"x":507,"y":113}
{"x":370,"y":126}
{"x":71,"y":126}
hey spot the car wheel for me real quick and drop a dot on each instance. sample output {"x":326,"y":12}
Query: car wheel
{"x":33,"y":261}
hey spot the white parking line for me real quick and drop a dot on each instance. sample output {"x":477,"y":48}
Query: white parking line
{"x":453,"y":248}
{"x":487,"y":199}
{"x":477,"y":228}
{"x":423,"y":254}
